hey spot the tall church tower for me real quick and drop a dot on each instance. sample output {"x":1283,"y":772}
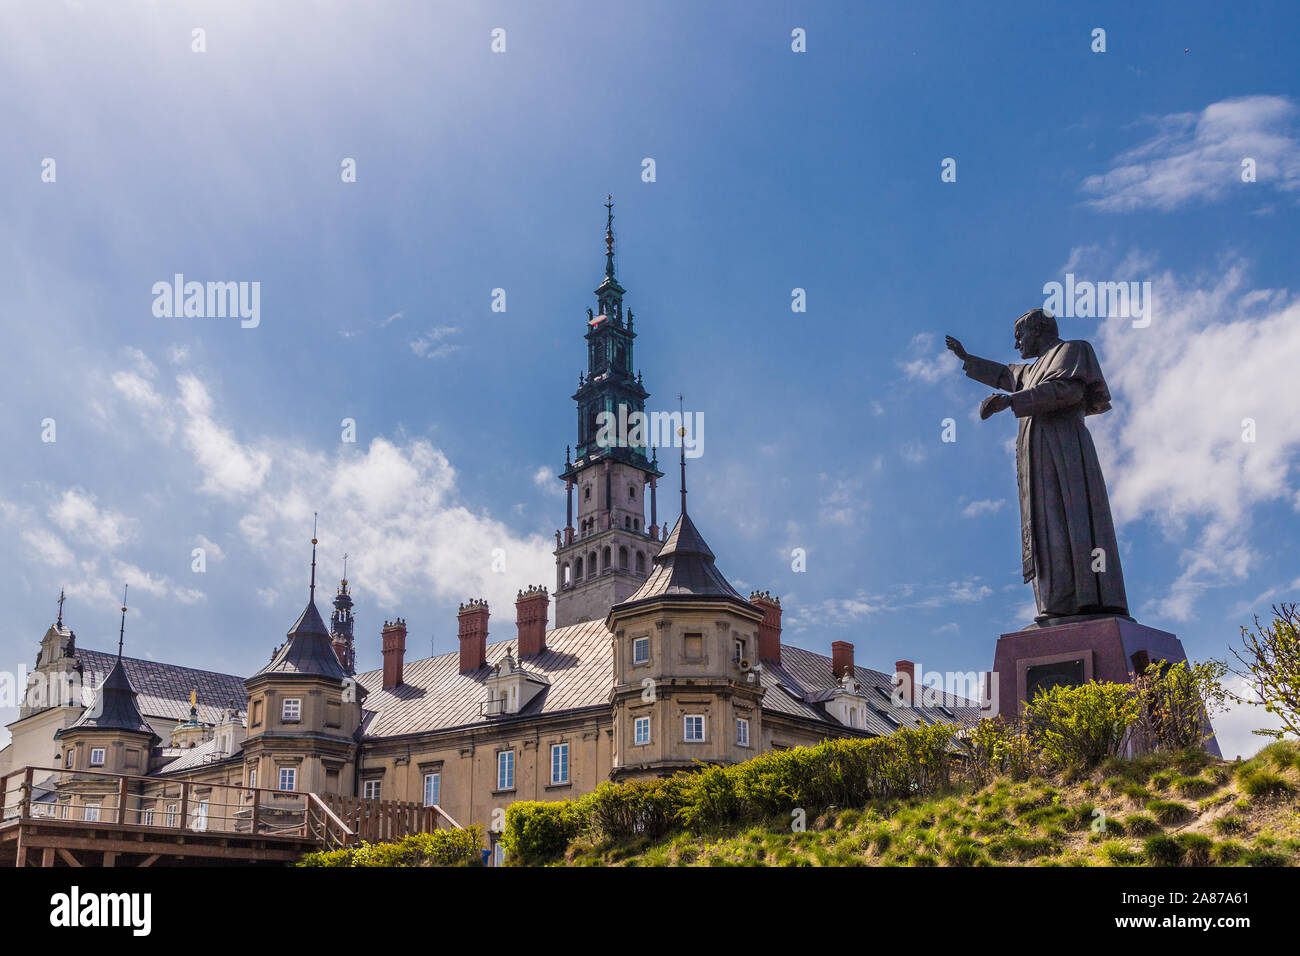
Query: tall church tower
{"x":341,"y":625}
{"x":606,"y":556}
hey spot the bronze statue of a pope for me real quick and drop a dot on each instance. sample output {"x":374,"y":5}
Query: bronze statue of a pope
{"x":1067,"y":537}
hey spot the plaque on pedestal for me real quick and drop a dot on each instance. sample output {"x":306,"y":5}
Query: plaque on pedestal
{"x":1109,"y":649}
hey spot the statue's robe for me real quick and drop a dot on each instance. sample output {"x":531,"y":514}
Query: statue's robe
{"x":1064,"y":511}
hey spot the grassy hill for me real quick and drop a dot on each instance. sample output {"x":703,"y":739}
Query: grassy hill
{"x":1160,"y":810}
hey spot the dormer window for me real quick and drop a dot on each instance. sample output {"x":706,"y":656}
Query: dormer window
{"x":291,"y":710}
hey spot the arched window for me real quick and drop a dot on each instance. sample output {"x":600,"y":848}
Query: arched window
{"x":577,"y":568}
{"x":566,"y":575}
{"x":622,"y":558}
{"x":631,"y":492}
{"x":609,"y":557}
{"x":591,"y":564}
{"x":640,"y":563}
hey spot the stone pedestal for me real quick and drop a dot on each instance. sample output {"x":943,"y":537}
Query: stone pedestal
{"x":1107,"y":649}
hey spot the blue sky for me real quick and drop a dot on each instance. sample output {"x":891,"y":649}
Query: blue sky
{"x":775,"y":170}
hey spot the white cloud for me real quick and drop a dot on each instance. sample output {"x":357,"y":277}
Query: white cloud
{"x":545,"y":479}
{"x":1198,"y":156}
{"x":395,"y":508}
{"x":1216,"y":354}
{"x":229,"y":469}
{"x":78,"y":515}
{"x":926,"y":362}
{"x":983,"y":507}
{"x":843,"y":503}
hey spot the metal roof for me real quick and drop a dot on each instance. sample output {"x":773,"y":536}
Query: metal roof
{"x":163,"y":690}
{"x":684,"y":568}
{"x":114,"y":706}
{"x":307,"y":650}
{"x":578,"y":662}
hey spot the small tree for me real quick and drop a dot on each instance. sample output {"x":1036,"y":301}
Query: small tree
{"x":1269,"y":658}
{"x":1176,"y":702}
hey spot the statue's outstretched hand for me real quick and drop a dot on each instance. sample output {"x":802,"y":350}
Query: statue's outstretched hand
{"x":955,"y":347}
{"x":993,"y":404}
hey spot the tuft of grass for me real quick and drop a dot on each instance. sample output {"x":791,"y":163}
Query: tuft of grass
{"x":1260,"y":784}
{"x":1229,"y":824}
{"x":1170,"y":812}
{"x":1227,"y":852}
{"x":1194,"y":786}
{"x":1140,"y":824}
{"x":1117,"y":853}
{"x":1197,"y":848}
{"x":1160,"y":849}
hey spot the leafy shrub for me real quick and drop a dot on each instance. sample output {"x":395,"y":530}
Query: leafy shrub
{"x":998,"y":748}
{"x":537,"y":832}
{"x":440,"y":848}
{"x":1079,"y":727}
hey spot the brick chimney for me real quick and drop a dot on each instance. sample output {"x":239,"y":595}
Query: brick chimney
{"x":392,"y":643}
{"x":905,"y":680}
{"x":530,"y":617}
{"x":473,"y":618}
{"x":769,"y":629}
{"x":842,"y":658}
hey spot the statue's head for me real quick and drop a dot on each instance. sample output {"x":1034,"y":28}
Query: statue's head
{"x":1036,"y":332}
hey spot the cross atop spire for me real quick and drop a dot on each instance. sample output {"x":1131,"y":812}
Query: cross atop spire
{"x":60,"y":622}
{"x":681,"y":437}
{"x":345,"y":567}
{"x":313,"y":557}
{"x":609,"y":237}
{"x":121,"y":631}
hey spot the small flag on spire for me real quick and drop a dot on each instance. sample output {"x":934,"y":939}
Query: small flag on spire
{"x":597,"y":321}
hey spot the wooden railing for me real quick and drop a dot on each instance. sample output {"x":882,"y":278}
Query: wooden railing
{"x":331,"y":821}
{"x":93,"y":796}
{"x":377,"y":821}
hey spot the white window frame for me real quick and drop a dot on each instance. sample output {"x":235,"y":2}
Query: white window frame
{"x":559,"y":752}
{"x":742,"y":731}
{"x":371,"y":789}
{"x":171,"y":814}
{"x":688,"y":720}
{"x":201,"y":815}
{"x":148,"y":817}
{"x":72,"y":759}
{"x":252,"y":778}
{"x":90,"y":813}
{"x":291,"y":718}
{"x":432,"y":788}
{"x":102,"y":754}
{"x":639,"y":644}
{"x":506,"y":770}
{"x":637,"y":724}
{"x":289,"y":774}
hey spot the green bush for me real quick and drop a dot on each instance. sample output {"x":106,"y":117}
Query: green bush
{"x":1140,"y":823}
{"x":1079,"y":727}
{"x":1262,"y":784}
{"x":440,"y":848}
{"x":537,"y":833}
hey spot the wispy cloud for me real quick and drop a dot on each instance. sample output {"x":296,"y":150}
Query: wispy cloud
{"x":433,"y":344}
{"x":1199,"y":156}
{"x":986,"y":506}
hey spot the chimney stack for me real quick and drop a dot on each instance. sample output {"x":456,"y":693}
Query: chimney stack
{"x":473,"y":618}
{"x":769,"y":629}
{"x":842,"y":658}
{"x":905,"y":681}
{"x":392,"y":644}
{"x":531,"y":607}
